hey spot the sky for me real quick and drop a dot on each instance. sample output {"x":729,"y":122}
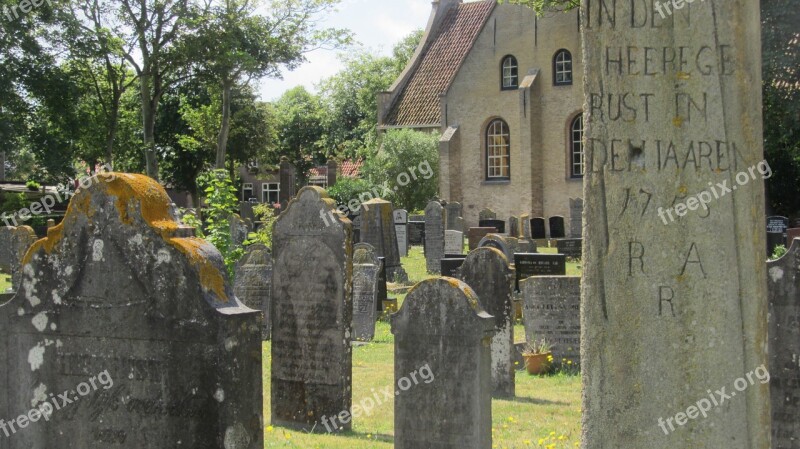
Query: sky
{"x":376,"y":24}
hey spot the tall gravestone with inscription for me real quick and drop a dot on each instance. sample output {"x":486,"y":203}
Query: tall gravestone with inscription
{"x":455,"y":220}
{"x":576,"y":218}
{"x":401,"y":231}
{"x":126,"y":333}
{"x":311,"y":312}
{"x":513,"y":226}
{"x":366,"y":278}
{"x":783,"y":280}
{"x":673,"y":104}
{"x":537,"y":227}
{"x":377,"y":229}
{"x":552,"y":311}
{"x":253,"y":282}
{"x":435,"y":217}
{"x":487,"y":271}
{"x":442,"y":330}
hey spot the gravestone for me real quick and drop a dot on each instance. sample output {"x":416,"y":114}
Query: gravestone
{"x":434,"y":236}
{"x":416,"y":218}
{"x":570,"y":247}
{"x":776,"y":232}
{"x":791,"y":234}
{"x":253,"y":282}
{"x":513,"y":226}
{"x":357,"y":229}
{"x":401,"y":231}
{"x":377,"y":229}
{"x":127,"y":335}
{"x":525,"y":222}
{"x":557,"y":230}
{"x":416,"y":232}
{"x":513,"y":245}
{"x":453,"y":242}
{"x":536,"y":264}
{"x":311,"y":313}
{"x":239,"y":230}
{"x":451,"y":265}
{"x":366,"y":277}
{"x":783,"y":285}
{"x":454,"y":213}
{"x":552,"y":311}
{"x":487,"y":272}
{"x":487,"y":214}
{"x":442,"y":332}
{"x":500,"y":225}
{"x":526,"y":246}
{"x":383,"y":291}
{"x":673,"y":309}
{"x":499,"y":242}
{"x":538,"y":231}
{"x":475,"y":235}
{"x":576,"y":218}
{"x":14,"y":243}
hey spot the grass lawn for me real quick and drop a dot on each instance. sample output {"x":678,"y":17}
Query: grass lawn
{"x":546,"y":408}
{"x":5,"y":282}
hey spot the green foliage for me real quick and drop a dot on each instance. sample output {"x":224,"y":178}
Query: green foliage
{"x":190,"y":219}
{"x":221,"y":202}
{"x":299,"y":116}
{"x":268,"y":216}
{"x":12,"y":203}
{"x":410,"y":161}
{"x":347,"y":189}
{"x":33,"y":185}
{"x":543,"y":6}
{"x":778,"y":252}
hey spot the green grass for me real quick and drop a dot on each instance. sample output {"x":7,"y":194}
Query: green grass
{"x":5,"y":282}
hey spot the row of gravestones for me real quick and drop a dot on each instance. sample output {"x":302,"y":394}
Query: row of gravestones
{"x":526,"y":226}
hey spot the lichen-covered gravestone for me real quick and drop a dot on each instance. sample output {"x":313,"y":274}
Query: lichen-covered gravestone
{"x":126,"y":334}
{"x":453,"y":242}
{"x":311,"y":312}
{"x":435,"y":218}
{"x":487,"y":271}
{"x":673,"y":308}
{"x":487,"y":214}
{"x":239,"y":230}
{"x":366,"y":278}
{"x":14,"y":243}
{"x":442,"y":328}
{"x":499,"y":242}
{"x":377,"y":229}
{"x":783,"y":280}
{"x":253,"y":282}
{"x":513,"y":226}
{"x":455,"y":220}
{"x":576,"y":218}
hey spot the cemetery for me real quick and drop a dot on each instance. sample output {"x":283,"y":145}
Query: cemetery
{"x":222,"y":271}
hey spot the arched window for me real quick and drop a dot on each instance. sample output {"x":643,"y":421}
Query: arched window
{"x":577,"y":160}
{"x":510,"y":73}
{"x":498,"y":151}
{"x":562,"y":68}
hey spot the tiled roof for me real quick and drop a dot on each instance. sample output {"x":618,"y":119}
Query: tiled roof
{"x":350,"y":169}
{"x":418,"y":102}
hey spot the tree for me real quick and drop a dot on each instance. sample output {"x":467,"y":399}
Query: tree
{"x":410,"y":161}
{"x":299,"y":117}
{"x":543,"y":6}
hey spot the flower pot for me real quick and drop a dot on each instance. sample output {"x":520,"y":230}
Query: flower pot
{"x":538,"y":363}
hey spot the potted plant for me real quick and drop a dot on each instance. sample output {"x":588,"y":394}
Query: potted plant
{"x":538,"y":357}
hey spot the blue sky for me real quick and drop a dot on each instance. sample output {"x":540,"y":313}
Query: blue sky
{"x":376,"y":24}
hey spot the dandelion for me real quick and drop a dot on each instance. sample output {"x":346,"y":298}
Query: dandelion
{"x":270,"y":429}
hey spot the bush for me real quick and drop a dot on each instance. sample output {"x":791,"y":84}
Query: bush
{"x":778,"y":252}
{"x":222,"y":202}
{"x":347,"y":189}
{"x":33,"y":185}
{"x":267,"y":215}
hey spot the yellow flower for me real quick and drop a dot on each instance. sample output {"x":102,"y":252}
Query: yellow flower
{"x":270,"y":428}
{"x":552,"y":434}
{"x":569,"y":362}
{"x":510,"y":419}
{"x":541,"y":441}
{"x":550,"y":446}
{"x":562,"y":438}
{"x":527,"y":442}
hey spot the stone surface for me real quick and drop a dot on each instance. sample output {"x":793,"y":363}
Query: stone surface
{"x":401,"y":231}
{"x":531,"y":264}
{"x":416,"y":232}
{"x":552,"y":311}
{"x":487,"y":214}
{"x":137,"y":327}
{"x":487,"y":272}
{"x":377,"y":229}
{"x":475,"y":235}
{"x":499,"y":224}
{"x":14,"y":243}
{"x":451,"y":266}
{"x":311,"y":312}
{"x":366,"y":278}
{"x":783,"y":285}
{"x":570,"y":247}
{"x":453,"y":242}
{"x":441,"y":328}
{"x":514,"y":227}
{"x":434,"y":236}
{"x":499,"y":242}
{"x":239,"y":230}
{"x":253,"y":283}
{"x":454,"y":212}
{"x":538,"y":230}
{"x":557,"y":230}
{"x":525,"y":222}
{"x":672,"y":310}
{"x":576,"y":218}
{"x":777,"y":227}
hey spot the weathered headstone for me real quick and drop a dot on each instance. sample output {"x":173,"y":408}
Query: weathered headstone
{"x":442,"y":333}
{"x":487,"y":271}
{"x":357,"y":229}
{"x":451,"y":266}
{"x":453,"y":242}
{"x":366,"y":278}
{"x":454,"y":213}
{"x":239,"y":230}
{"x":253,"y":282}
{"x":525,"y":222}
{"x":434,"y":236}
{"x":673,"y":309}
{"x":311,"y":313}
{"x":538,"y":230}
{"x":14,"y":243}
{"x":499,"y":242}
{"x":416,"y":232}
{"x":776,"y":232}
{"x":377,"y":229}
{"x":401,"y":231}
{"x":513,"y":226}
{"x":552,"y":311}
{"x":487,"y":214}
{"x":499,"y":224}
{"x":570,"y":247}
{"x":383,"y":290}
{"x":557,"y":230}
{"x":576,"y":218}
{"x":783,"y":281}
{"x":127,"y":335}
{"x":526,"y":246}
{"x":539,"y":265}
{"x":475,"y":235}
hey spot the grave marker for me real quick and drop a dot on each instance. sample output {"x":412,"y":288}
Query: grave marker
{"x":500,"y":225}
{"x":538,"y":231}
{"x":366,"y":277}
{"x":434,"y":236}
{"x":454,"y":213}
{"x":513,"y":226}
{"x":576,"y":218}
{"x":401,"y":231}
{"x":552,"y":311}
{"x":453,"y":242}
{"x":536,"y":264}
{"x":377,"y":229}
{"x":570,"y":247}
{"x":487,"y":214}
{"x":253,"y":283}
{"x":499,"y":242}
{"x":557,"y":230}
{"x":14,"y":243}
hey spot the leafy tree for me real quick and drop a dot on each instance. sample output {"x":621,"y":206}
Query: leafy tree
{"x":410,"y":161}
{"x":348,"y":189}
{"x":543,"y":6}
{"x":299,"y":116}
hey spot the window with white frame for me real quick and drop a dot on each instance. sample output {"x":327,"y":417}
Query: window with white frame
{"x":510,"y":73}
{"x":562,"y":68}
{"x":498,"y":151}
{"x":270,"y":192}
{"x":577,"y":158}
